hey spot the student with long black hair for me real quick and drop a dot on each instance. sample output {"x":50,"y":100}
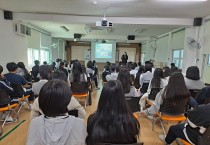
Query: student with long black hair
{"x":158,"y":81}
{"x":112,"y":122}
{"x":174,"y":92}
{"x":125,"y":78}
{"x":55,"y":126}
{"x":77,"y":74}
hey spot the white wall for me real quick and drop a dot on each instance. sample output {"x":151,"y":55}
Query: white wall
{"x":77,"y":52}
{"x":161,"y":49}
{"x":13,"y":48}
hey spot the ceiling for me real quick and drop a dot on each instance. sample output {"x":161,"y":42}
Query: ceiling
{"x":113,"y":8}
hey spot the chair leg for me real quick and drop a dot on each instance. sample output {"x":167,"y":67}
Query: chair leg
{"x":164,"y":132}
{"x":6,"y":118}
{"x":28,"y":104}
{"x":154,"y":120}
{"x":21,"y":105}
{"x":17,"y":116}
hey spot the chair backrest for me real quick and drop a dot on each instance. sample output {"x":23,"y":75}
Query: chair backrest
{"x":153,"y":93}
{"x":4,"y":97}
{"x":79,"y":87}
{"x":18,"y":91}
{"x":73,"y":113}
{"x":133,"y":103}
{"x":194,"y":92}
{"x":136,"y":81}
{"x":177,"y":109}
{"x":144,"y":87}
{"x":205,"y":138}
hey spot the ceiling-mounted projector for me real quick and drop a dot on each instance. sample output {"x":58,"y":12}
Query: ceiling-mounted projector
{"x":104,"y":23}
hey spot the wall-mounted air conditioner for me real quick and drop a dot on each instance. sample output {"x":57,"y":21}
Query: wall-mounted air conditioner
{"x":21,"y":29}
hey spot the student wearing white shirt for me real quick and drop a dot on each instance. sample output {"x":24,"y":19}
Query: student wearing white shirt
{"x":113,"y":75}
{"x":147,"y":76}
{"x":158,"y":81}
{"x":133,"y":70}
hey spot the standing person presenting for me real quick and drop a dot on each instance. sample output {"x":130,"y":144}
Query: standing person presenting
{"x":124,"y":58}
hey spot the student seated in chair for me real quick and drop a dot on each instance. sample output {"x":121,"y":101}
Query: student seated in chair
{"x":45,"y":72}
{"x":55,"y":126}
{"x":13,"y":77}
{"x":125,"y":78}
{"x":113,"y":75}
{"x":174,"y":92}
{"x":147,"y":75}
{"x":198,"y":120}
{"x":4,"y":84}
{"x":113,"y":122}
{"x":192,"y":79}
{"x":158,"y":81}
{"x":77,"y":75}
{"x":73,"y":105}
{"x":105,"y":73}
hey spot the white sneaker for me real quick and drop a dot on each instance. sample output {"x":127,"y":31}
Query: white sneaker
{"x":9,"y":119}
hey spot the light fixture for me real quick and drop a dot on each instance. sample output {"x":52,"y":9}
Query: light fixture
{"x":64,"y":28}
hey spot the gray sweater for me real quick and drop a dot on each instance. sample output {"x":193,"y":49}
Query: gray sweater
{"x":62,"y":130}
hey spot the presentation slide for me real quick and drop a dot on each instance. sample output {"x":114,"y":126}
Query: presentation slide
{"x":103,"y":52}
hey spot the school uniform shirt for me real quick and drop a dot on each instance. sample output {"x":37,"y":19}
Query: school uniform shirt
{"x":112,"y":76}
{"x":133,"y":92}
{"x":60,"y":130}
{"x":133,"y":72}
{"x":73,"y":105}
{"x":36,"y":87}
{"x":5,"y":85}
{"x":15,"y":79}
{"x":194,"y":84}
{"x":163,"y":83}
{"x":104,"y":74}
{"x":145,"y":77}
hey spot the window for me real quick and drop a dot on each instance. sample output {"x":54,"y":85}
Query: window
{"x":37,"y":54}
{"x":178,"y":55}
{"x":44,"y":56}
{"x":33,"y":54}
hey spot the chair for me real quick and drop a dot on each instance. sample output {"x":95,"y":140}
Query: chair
{"x":133,"y":103}
{"x":5,"y":103}
{"x":19,"y":93}
{"x":153,"y":93}
{"x":173,"y":113}
{"x":205,"y":138}
{"x":144,"y":88}
{"x":80,"y":90}
{"x":73,"y":112}
{"x":194,"y":92}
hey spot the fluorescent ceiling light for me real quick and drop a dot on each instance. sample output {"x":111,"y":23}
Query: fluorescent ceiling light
{"x":183,"y":0}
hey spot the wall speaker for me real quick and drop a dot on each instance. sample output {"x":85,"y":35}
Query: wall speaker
{"x":77,"y":36}
{"x":197,"y":22}
{"x":131,"y":37}
{"x":8,"y":15}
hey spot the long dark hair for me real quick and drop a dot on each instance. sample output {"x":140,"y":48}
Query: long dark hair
{"x":76,"y":71}
{"x":113,"y":121}
{"x":176,"y":90}
{"x":157,"y":76}
{"x":125,"y":78}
